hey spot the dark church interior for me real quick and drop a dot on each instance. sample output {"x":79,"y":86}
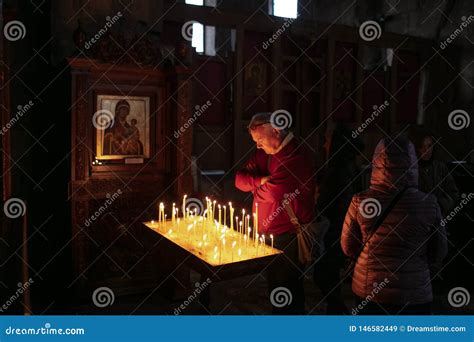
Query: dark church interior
{"x":150,"y":148}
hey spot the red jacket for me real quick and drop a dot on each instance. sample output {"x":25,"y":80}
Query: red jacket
{"x":291,"y":172}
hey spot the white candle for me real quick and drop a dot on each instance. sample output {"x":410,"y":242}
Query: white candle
{"x":184,"y":206}
{"x":173,"y":214}
{"x":240,"y":235}
{"x":256,"y":217}
{"x":231,"y":212}
{"x":213,"y":209}
{"x":248,"y":224}
{"x":225,"y":217}
{"x":271,"y":238}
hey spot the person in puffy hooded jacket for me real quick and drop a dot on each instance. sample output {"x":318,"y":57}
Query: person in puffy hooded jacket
{"x":392,"y":272}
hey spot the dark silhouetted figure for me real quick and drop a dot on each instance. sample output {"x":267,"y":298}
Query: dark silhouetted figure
{"x":336,"y":188}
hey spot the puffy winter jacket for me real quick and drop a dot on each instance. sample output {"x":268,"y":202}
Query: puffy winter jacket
{"x":394,"y":266}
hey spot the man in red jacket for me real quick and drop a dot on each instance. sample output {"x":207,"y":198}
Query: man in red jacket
{"x":281,"y":168}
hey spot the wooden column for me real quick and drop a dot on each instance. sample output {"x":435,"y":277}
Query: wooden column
{"x":184,"y":150}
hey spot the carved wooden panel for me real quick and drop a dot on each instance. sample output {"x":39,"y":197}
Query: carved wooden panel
{"x":110,"y":201}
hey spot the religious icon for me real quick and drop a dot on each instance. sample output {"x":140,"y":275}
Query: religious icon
{"x":126,"y":134}
{"x":255,"y":79}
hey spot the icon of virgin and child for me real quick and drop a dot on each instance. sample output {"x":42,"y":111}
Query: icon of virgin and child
{"x":123,"y":137}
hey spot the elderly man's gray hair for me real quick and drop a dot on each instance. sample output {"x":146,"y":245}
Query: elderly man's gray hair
{"x":262,"y":119}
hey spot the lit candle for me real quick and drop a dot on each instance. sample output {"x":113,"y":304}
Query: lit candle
{"x":213,"y":209}
{"x":231,"y":212}
{"x":219,"y":206}
{"x":243,"y":216}
{"x":173,"y":214}
{"x":271,"y":238}
{"x":240,"y":235}
{"x":159,"y":213}
{"x":184,"y":206}
{"x":162,"y":209}
{"x":236,"y":222}
{"x":256,"y":217}
{"x":225,"y":217}
{"x":254,"y":224}
{"x":248,"y":223}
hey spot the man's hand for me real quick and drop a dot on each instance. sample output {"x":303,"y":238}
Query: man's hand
{"x":264,"y":180}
